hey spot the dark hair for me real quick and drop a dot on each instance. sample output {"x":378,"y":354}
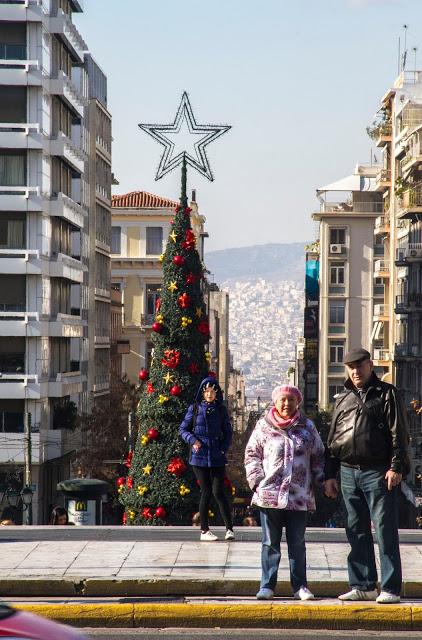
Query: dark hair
{"x":58,"y":511}
{"x":8,"y":514}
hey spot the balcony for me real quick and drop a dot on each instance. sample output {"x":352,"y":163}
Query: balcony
{"x":14,"y":320}
{"x":402,"y":304}
{"x":18,"y":135}
{"x":63,"y":26}
{"x":64,"y":87}
{"x":381,"y":269}
{"x":381,"y":312}
{"x":382,"y":225}
{"x":20,"y":198}
{"x":411,"y":202}
{"x":21,"y":11}
{"x":20,"y":261}
{"x":66,"y":326}
{"x":404,"y":350}
{"x":66,"y":384}
{"x":415,"y":301}
{"x":367,"y":206}
{"x":384,"y":134}
{"x":64,"y":207}
{"x":20,"y":72}
{"x":62,"y":146}
{"x":412,"y":158}
{"x":64,"y":266}
{"x":383,"y":180}
{"x":381,"y":357}
{"x":412,"y":252}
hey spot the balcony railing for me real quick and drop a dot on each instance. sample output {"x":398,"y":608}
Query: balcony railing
{"x":382,"y":223}
{"x":382,"y":355}
{"x":354,"y":207}
{"x":12,"y":51}
{"x":381,"y":266}
{"x":412,"y":197}
{"x":415,"y":300}
{"x":383,"y":177}
{"x":380,"y":310}
{"x":409,"y":252}
{"x":402,"y":303}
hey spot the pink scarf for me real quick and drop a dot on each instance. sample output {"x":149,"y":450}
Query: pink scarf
{"x":275,"y":419}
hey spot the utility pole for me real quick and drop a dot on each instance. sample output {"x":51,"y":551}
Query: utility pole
{"x":28,"y":463}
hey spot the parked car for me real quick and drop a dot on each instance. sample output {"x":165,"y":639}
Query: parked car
{"x":21,"y":625}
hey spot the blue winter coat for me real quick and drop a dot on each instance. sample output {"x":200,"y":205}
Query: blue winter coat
{"x":213,"y":430}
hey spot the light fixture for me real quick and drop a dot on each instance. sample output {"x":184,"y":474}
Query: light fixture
{"x":12,"y":497}
{"x":26,"y":495}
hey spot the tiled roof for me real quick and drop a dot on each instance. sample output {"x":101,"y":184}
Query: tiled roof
{"x":141,"y":200}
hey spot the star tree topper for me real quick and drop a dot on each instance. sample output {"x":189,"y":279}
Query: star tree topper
{"x":203,"y":133}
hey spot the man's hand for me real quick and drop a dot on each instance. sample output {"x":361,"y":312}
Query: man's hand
{"x":196,"y":446}
{"x":393,"y":479}
{"x":331,"y":488}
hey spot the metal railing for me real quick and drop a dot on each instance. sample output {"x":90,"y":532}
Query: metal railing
{"x":402,"y":302}
{"x":383,"y":176}
{"x":380,"y":310}
{"x":382,"y":221}
{"x":381,"y":266}
{"x":367,"y":206}
{"x":381,"y":354}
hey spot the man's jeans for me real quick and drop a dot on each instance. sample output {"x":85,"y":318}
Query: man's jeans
{"x":272,"y":522}
{"x":367,"y":498}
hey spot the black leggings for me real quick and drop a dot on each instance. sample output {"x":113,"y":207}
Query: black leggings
{"x":211,"y":482}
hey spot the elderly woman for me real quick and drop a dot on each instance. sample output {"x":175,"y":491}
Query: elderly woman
{"x":284,"y":459}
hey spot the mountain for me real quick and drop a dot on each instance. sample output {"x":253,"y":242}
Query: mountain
{"x":273,"y":262}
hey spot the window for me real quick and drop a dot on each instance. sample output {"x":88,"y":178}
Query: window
{"x":333,"y":390}
{"x":336,"y":351}
{"x":12,"y":168}
{"x":11,"y":416}
{"x":154,"y":240}
{"x":12,"y":104}
{"x":153,"y":293}
{"x":59,"y":356}
{"x":149,"y":355}
{"x":12,"y":231}
{"x":337,"y":273}
{"x":337,"y":236}
{"x":337,"y":312}
{"x":116,"y":239}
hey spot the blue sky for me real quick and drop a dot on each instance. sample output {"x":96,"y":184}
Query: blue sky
{"x":299,"y":81}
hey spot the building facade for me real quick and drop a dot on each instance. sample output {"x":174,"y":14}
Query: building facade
{"x":45,"y":251}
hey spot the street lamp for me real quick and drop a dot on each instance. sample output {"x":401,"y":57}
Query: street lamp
{"x":26,"y":495}
{"x":12,"y":497}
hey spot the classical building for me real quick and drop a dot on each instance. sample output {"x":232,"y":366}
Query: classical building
{"x":47,"y":238}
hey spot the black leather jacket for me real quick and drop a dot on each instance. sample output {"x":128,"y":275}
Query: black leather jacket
{"x":376,"y":435}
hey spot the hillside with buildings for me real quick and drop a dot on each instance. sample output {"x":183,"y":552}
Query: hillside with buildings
{"x":265,"y":284}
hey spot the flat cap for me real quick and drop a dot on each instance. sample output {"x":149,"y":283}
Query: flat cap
{"x":354,"y":355}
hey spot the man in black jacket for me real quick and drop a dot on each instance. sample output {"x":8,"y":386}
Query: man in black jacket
{"x":368,"y":441}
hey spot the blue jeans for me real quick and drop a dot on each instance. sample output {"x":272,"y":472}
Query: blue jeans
{"x":272,"y":522}
{"x":367,"y":498}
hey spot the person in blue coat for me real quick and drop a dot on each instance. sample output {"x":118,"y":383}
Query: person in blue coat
{"x":207,"y":430}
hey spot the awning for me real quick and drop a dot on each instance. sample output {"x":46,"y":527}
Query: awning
{"x":353,"y":182}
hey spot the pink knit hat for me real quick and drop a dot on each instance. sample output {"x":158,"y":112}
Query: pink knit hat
{"x":286,"y":389}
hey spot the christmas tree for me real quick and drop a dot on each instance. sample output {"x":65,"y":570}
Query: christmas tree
{"x":160,"y":487}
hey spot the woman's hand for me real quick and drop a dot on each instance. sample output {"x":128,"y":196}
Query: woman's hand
{"x":196,"y":446}
{"x":331,"y":488}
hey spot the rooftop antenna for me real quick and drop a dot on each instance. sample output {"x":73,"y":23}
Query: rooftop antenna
{"x":405,"y":27}
{"x":415,"y":51}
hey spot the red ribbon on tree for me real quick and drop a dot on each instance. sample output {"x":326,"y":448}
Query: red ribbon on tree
{"x":177,"y":467}
{"x":129,"y":482}
{"x":184,"y":300}
{"x":150,"y":388}
{"x":121,"y":481}
{"x":128,"y":459}
{"x":171,"y":358}
{"x":147,"y":513}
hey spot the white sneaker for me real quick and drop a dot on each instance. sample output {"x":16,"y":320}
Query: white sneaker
{"x":304,"y":594}
{"x":358,"y":594}
{"x":388,"y":598}
{"x":265,"y":594}
{"x":208,"y":536}
{"x":229,"y":535}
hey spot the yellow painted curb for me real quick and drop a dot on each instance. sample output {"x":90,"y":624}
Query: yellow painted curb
{"x":253,"y":615}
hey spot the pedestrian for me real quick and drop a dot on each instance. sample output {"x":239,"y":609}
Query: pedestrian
{"x":206,"y":428}
{"x":368,"y":441}
{"x":59,"y":516}
{"x":284,"y":460}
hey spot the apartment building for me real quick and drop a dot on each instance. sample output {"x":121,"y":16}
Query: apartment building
{"x":348,"y":293}
{"x":45,"y":251}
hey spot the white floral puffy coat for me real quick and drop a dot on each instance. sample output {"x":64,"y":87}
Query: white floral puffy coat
{"x":284,"y":465}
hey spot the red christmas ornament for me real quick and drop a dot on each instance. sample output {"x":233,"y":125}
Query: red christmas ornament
{"x":152,"y":434}
{"x":128,"y":460}
{"x":143,"y":374}
{"x":193,"y":368}
{"x":160,"y":512}
{"x":124,"y":518}
{"x":178,"y":260}
{"x":176,"y":390}
{"x":204,"y":328}
{"x":150,"y":388}
{"x":171,"y":358}
{"x":191,"y":278}
{"x":171,"y":221}
{"x":184,"y":301}
{"x":157,"y":327}
{"x":147,"y":513}
{"x":121,"y":482}
{"x":129,"y":482}
{"x":177,"y":467}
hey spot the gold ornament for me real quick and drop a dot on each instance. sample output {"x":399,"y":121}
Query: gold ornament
{"x":184,"y":490}
{"x":160,"y":318}
{"x":144,"y":440}
{"x":162,"y":399}
{"x":186,"y":322}
{"x":142,"y":489}
{"x":211,"y":514}
{"x":198,"y":312}
{"x":131,"y":514}
{"x":147,"y":470}
{"x":161,"y":258}
{"x":172,"y":287}
{"x":173,"y":236}
{"x":168,"y":378}
{"x":207,"y":356}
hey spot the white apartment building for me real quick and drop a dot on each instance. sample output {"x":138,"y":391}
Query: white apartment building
{"x":348,"y":292}
{"x":45,"y":201}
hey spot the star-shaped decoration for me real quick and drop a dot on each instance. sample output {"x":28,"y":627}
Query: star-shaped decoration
{"x":147,"y":470}
{"x":172,"y":287}
{"x":168,"y":378}
{"x":173,"y":236}
{"x":199,"y":136}
{"x":198,"y":312}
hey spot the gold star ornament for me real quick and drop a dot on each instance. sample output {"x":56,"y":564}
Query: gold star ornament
{"x":173,"y":236}
{"x":147,"y":470}
{"x":172,"y":287}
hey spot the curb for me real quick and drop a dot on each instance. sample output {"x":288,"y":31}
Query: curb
{"x":106,"y":587}
{"x":269,"y":615}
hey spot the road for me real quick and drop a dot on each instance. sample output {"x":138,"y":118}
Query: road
{"x":248,"y":634}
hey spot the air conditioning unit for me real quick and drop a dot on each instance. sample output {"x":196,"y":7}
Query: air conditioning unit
{"x":336,"y":248}
{"x":415,"y":253}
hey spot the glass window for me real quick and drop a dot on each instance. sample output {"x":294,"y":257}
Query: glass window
{"x":153,"y":293}
{"x":116,"y":239}
{"x":337,"y":273}
{"x":337,"y":312}
{"x":12,"y":169}
{"x":334,"y":389}
{"x":336,"y":351}
{"x":154,"y":241}
{"x":337,"y":236}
